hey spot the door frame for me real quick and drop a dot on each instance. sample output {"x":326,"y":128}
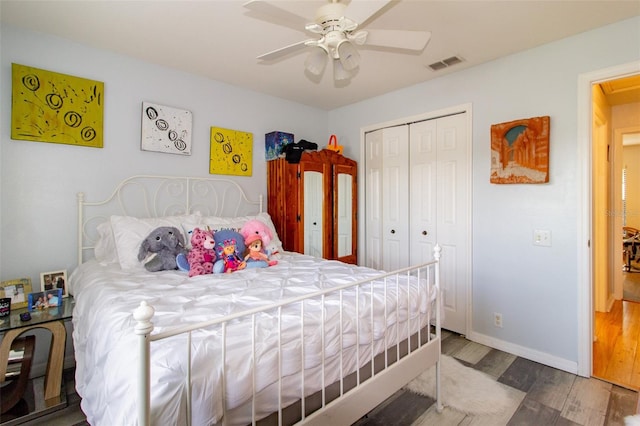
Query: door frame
{"x":465,"y":108}
{"x":584,"y":214}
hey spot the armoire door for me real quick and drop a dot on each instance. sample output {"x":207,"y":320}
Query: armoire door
{"x":345,"y":204}
{"x":417,"y":195}
{"x":315,"y":206}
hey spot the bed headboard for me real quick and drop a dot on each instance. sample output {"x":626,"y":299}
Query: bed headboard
{"x":156,"y":196}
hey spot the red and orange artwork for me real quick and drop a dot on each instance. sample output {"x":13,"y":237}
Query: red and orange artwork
{"x":520,"y":151}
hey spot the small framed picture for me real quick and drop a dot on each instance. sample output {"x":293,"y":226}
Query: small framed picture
{"x":55,"y":279}
{"x":17,"y":290}
{"x":45,"y":299}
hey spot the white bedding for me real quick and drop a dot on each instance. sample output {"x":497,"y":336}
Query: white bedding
{"x":106,"y":347}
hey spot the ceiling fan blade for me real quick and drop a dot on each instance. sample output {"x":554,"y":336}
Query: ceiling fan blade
{"x":266,"y":11}
{"x":284,"y":51}
{"x":398,"y":39}
{"x":361,"y":10}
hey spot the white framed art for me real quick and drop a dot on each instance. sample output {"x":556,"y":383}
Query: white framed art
{"x":166,"y":129}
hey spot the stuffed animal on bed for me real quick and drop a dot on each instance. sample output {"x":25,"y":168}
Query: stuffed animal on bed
{"x":229,"y":247}
{"x":202,"y":255}
{"x":255,"y":254}
{"x":160,"y":248}
{"x":257,"y":232}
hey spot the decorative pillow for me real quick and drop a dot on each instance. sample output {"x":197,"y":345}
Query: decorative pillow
{"x":105,"y":248}
{"x":129,"y":232}
{"x":234,"y":223}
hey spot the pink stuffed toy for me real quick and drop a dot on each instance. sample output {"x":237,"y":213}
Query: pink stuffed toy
{"x":255,"y":227}
{"x":202,"y":255}
{"x":257,"y":237}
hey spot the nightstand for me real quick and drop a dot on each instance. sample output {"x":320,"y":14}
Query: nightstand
{"x":51,"y":319}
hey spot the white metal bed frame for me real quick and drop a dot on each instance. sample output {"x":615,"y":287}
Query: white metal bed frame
{"x":387,"y":372}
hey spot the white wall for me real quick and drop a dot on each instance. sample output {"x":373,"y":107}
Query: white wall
{"x":39,"y":181}
{"x":535,"y":288}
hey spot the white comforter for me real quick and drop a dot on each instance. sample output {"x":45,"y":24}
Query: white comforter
{"x":106,"y":348}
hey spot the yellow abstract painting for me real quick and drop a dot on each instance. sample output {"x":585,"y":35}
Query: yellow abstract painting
{"x":231,"y":152}
{"x":58,"y":108}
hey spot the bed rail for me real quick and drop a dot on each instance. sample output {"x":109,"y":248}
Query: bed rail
{"x":145,"y":196}
{"x":377,"y":375}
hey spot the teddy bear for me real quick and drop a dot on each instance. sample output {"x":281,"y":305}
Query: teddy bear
{"x":229,"y":246}
{"x":257,"y":237}
{"x":202,"y":255}
{"x":160,"y":249}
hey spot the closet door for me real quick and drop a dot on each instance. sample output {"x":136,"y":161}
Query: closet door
{"x":453,"y":218}
{"x":418,"y":195}
{"x":395,"y":196}
{"x":373,"y":199}
{"x":387,"y":192}
{"x":423,"y":233}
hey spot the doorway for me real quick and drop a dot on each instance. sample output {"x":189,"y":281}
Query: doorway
{"x":615,"y":106}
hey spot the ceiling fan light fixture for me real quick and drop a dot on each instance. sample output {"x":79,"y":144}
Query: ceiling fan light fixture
{"x":348,"y":55}
{"x":339,"y":73}
{"x":316,"y":62}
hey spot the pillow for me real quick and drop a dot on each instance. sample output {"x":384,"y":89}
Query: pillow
{"x":129,"y":232}
{"x":234,"y":223}
{"x":105,"y":248}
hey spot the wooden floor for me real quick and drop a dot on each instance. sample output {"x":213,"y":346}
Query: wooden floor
{"x":616,"y":351}
{"x":545,"y":396}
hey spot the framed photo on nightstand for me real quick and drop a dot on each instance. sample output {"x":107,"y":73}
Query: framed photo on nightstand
{"x":53,"y":280}
{"x":17,"y":290}
{"x":45,"y":299}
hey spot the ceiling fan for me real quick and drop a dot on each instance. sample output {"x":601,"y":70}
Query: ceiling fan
{"x":337,"y":29}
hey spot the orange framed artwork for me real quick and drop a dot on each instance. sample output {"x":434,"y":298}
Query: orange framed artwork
{"x":520,"y":151}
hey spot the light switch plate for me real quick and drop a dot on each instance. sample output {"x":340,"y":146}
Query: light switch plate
{"x":542,"y":238}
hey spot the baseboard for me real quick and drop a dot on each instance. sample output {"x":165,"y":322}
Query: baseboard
{"x":527,"y":353}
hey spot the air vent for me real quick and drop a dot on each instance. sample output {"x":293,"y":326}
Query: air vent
{"x":436,"y":66}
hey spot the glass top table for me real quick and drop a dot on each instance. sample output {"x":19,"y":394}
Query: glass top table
{"x":52,"y":319}
{"x":41,"y":316}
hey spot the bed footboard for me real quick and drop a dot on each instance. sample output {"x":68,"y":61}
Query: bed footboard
{"x":387,"y":331}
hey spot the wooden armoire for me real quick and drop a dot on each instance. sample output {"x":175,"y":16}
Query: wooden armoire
{"x":313,"y":204}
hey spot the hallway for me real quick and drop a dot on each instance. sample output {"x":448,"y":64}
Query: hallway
{"x":616,"y":355}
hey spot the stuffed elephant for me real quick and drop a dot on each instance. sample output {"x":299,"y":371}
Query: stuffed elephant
{"x":160,"y":248}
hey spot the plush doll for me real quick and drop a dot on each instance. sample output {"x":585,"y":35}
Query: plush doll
{"x":255,"y":228}
{"x":160,"y":248}
{"x":202,"y":255}
{"x":255,"y":254}
{"x":229,"y":246}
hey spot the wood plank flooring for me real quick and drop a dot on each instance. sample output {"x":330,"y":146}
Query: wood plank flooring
{"x":616,"y":353}
{"x":544,"y":396}
{"x":547,"y":396}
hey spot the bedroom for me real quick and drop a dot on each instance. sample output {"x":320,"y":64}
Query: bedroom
{"x":39,"y":181}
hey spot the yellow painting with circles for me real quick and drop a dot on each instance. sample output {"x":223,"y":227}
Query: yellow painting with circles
{"x":58,"y":108}
{"x":231,"y":152}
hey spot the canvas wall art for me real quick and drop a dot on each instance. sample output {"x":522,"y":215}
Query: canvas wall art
{"x":231,"y":152}
{"x":520,"y":151}
{"x":50,"y":107}
{"x":166,"y":129}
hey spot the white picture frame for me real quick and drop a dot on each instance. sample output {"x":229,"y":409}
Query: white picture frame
{"x":166,"y":129}
{"x":54,"y":279}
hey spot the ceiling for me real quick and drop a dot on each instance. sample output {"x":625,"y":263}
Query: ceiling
{"x":220,"y":39}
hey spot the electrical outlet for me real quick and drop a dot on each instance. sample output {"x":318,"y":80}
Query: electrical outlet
{"x":497,"y":319}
